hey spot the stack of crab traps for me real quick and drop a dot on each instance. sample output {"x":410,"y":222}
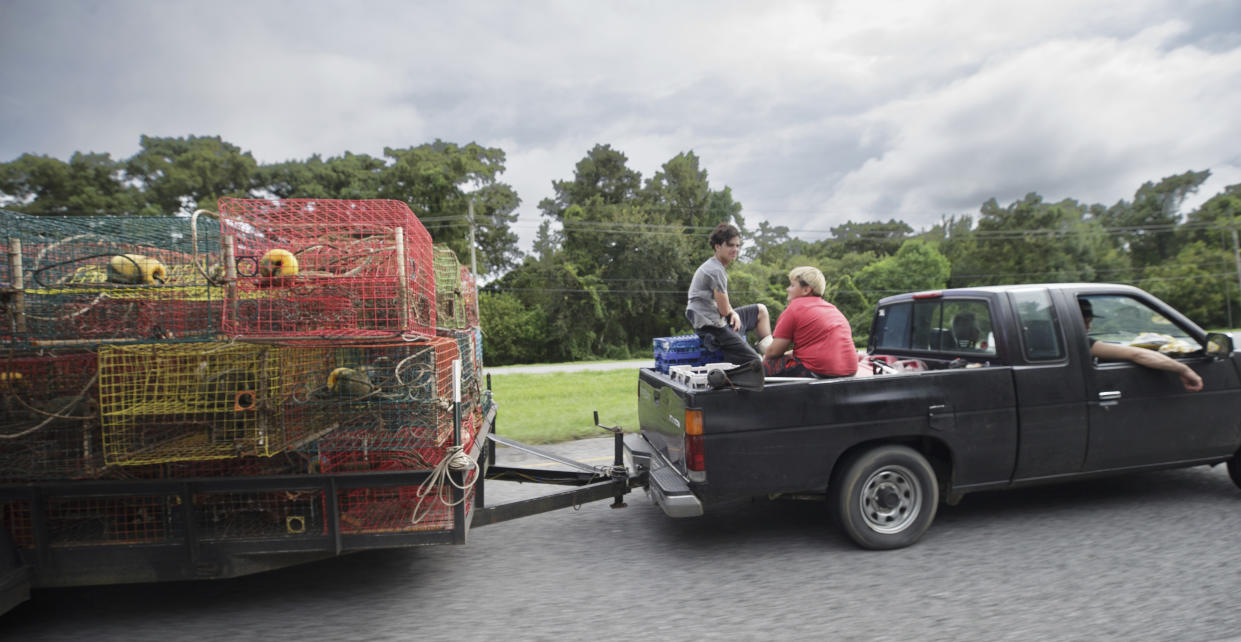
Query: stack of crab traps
{"x":275,"y":337}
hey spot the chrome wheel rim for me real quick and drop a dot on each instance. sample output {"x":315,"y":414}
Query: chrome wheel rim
{"x":891,"y":499}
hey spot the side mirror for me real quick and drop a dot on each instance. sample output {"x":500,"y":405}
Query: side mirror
{"x":1219,"y":345}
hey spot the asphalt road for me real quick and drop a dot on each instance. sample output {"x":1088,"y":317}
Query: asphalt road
{"x":1154,"y":556}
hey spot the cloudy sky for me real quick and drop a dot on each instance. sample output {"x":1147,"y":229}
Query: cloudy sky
{"x":814,"y":113}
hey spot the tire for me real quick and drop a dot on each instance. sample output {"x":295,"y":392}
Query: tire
{"x":1234,"y":468}
{"x":886,"y":497}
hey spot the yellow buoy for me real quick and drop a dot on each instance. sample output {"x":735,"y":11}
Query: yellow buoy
{"x":136,"y":269}
{"x":278,"y":263}
{"x":348,"y":382}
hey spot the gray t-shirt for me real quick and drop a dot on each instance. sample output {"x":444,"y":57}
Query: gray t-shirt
{"x":709,"y":278}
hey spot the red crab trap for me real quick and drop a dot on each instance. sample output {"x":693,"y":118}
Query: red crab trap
{"x":79,"y":280}
{"x":49,"y":417}
{"x":326,"y":268}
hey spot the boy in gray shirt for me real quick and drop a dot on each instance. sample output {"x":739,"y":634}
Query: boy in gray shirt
{"x":715,"y":320}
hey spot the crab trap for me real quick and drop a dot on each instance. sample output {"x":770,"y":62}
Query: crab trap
{"x":49,"y":417}
{"x":449,"y":302}
{"x":469,"y":297}
{"x":394,"y":399}
{"x":326,"y":268}
{"x":78,"y":280}
{"x":196,"y":401}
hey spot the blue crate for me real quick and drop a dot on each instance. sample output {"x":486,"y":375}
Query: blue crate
{"x":679,"y":355}
{"x":678,"y":343}
{"x":662,"y":364}
{"x":694,"y":358}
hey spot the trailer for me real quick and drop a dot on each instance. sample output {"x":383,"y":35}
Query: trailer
{"x":206,"y":397}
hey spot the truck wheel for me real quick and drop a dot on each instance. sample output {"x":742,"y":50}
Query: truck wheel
{"x":886,"y":497}
{"x":1234,"y":468}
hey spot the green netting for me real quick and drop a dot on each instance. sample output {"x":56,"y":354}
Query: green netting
{"x":109,"y":278}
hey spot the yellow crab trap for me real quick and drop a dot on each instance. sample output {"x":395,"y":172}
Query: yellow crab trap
{"x":469,"y":297}
{"x":79,"y":280}
{"x":199,"y":401}
{"x":49,"y":417}
{"x":306,"y":268}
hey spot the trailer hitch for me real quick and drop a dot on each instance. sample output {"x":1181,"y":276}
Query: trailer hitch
{"x":620,"y":475}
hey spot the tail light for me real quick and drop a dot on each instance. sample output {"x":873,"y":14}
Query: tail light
{"x":695,"y":457}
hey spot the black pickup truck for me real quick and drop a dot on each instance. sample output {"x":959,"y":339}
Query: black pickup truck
{"x":962,"y":390}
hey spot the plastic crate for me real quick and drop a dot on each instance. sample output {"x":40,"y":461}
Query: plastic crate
{"x":695,"y":377}
{"x":677,"y":343}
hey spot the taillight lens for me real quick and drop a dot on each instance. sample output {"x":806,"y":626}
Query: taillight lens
{"x":695,"y":459}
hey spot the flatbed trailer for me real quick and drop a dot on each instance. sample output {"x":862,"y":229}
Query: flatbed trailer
{"x":189,"y":551}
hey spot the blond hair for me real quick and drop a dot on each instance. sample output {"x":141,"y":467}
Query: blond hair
{"x":810,"y":276}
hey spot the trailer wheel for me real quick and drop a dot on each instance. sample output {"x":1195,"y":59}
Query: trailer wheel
{"x":885,"y":497}
{"x":1234,"y":468}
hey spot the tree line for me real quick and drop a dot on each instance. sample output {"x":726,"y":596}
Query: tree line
{"x":615,"y":251}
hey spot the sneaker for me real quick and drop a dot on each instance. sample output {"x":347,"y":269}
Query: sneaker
{"x":762,"y":344}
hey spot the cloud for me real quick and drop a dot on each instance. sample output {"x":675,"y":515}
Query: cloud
{"x":812,"y":112}
{"x":1089,"y":119}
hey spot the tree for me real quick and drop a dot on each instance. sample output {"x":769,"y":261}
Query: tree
{"x":1149,"y":222}
{"x":184,"y":174}
{"x":433,"y":178}
{"x":884,"y":239}
{"x":1031,"y":241}
{"x":352,"y":176}
{"x":512,"y":331}
{"x":1199,"y":283}
{"x":88,"y":184}
{"x":602,"y":174}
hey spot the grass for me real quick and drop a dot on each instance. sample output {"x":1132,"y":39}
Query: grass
{"x":555,"y":407}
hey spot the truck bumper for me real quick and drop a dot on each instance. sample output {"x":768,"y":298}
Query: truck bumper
{"x":667,"y":488}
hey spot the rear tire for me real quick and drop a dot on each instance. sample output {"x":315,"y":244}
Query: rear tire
{"x":885,"y":497}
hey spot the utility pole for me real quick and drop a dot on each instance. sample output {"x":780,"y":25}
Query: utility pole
{"x":473,"y":256}
{"x":1236,"y":255}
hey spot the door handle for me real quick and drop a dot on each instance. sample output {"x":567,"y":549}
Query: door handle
{"x":1109,"y":395}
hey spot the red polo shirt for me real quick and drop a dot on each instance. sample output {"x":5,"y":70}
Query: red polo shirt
{"x":822,"y":339}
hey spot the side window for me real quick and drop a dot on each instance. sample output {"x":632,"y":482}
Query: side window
{"x":1120,"y":319}
{"x":968,"y":327}
{"x":926,"y":325}
{"x":957,"y":326}
{"x":892,"y":326}
{"x":1040,"y":334}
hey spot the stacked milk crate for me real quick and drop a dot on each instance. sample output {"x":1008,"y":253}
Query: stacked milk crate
{"x":294,"y":336}
{"x":684,"y":350}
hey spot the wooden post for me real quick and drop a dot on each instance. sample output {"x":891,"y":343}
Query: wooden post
{"x":230,"y":273}
{"x":402,"y":278}
{"x":18,"y":284}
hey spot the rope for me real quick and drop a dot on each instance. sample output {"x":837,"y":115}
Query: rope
{"x":55,"y":415}
{"x":454,"y":460}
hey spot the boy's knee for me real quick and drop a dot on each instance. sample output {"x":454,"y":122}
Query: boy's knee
{"x":762,"y":311}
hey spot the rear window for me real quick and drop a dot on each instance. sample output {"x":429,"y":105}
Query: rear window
{"x":958,"y":326}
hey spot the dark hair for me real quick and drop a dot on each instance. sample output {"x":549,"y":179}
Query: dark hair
{"x":723,"y":233}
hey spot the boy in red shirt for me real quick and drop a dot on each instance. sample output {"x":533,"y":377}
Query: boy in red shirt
{"x":820,"y":335}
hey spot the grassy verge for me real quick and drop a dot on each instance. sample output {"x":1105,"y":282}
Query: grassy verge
{"x":548,"y":408}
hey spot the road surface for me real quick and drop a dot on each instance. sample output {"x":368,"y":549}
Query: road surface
{"x":1153,"y":556}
